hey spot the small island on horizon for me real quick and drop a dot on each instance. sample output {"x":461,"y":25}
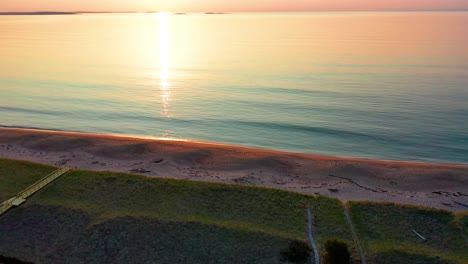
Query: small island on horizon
{"x":38,"y":13}
{"x":49,"y":13}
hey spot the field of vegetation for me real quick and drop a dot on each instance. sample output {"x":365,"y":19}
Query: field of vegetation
{"x":386,"y":233}
{"x":17,"y":176}
{"x":104,"y":217}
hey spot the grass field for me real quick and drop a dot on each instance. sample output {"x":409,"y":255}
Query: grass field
{"x":105,"y":217}
{"x":385,"y":231}
{"x":16,"y":176}
{"x":257,"y":218}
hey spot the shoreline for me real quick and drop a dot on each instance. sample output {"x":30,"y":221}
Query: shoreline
{"x":434,"y":185}
{"x":228,"y":145}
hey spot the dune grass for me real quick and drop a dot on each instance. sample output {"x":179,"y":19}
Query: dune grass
{"x":245,"y":211}
{"x":253,"y":217}
{"x":463,"y":224}
{"x":385,"y":231}
{"x":16,"y":176}
{"x":107,"y":195}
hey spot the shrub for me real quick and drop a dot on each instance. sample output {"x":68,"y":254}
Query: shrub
{"x":297,"y":251}
{"x":336,"y":252}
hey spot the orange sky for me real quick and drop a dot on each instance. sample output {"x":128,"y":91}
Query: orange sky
{"x":229,"y":5}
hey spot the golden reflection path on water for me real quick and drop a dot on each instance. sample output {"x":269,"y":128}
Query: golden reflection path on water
{"x":164,"y":51}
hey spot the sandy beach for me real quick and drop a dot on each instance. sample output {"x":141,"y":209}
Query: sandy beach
{"x":443,"y":186}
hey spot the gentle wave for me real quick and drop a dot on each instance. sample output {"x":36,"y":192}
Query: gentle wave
{"x":276,"y":84}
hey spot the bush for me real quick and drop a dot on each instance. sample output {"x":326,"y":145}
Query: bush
{"x":297,"y":251}
{"x":336,"y":252}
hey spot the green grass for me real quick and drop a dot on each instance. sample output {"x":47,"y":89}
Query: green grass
{"x":107,"y":195}
{"x":385,"y":233}
{"x":247,"y":213}
{"x":230,"y":220}
{"x":249,"y":210}
{"x":16,"y":176}
{"x":274,"y":212}
{"x":330,"y":223}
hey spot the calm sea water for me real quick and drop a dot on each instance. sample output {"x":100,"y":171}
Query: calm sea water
{"x":378,"y":85}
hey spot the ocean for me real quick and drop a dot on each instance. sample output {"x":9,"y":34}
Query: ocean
{"x":380,"y":85}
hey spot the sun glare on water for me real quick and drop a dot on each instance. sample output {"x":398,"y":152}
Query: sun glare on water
{"x":164,"y":51}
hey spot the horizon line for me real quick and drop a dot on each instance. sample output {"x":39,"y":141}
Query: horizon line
{"x":230,"y":12}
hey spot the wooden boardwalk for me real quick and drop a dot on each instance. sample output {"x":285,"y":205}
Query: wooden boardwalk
{"x":21,"y":196}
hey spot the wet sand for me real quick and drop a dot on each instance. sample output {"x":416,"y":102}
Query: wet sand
{"x":443,"y":186}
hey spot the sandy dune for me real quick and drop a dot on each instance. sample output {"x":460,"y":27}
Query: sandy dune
{"x":435,"y":185}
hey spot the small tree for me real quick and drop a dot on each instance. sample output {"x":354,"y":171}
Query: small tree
{"x":297,"y":251}
{"x":336,"y":252}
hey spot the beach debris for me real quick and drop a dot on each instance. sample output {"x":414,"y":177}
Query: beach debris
{"x":62,"y":162}
{"x":462,"y":204}
{"x":419,"y":235}
{"x":139,"y":171}
{"x":245,"y":180}
{"x":158,"y":160}
{"x":376,"y":190}
{"x":333,"y":190}
{"x":447,"y":204}
{"x":448,"y":194}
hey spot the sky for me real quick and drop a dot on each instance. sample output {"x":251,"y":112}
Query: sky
{"x":228,"y":5}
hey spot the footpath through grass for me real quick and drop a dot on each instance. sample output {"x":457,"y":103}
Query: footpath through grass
{"x":385,"y":231}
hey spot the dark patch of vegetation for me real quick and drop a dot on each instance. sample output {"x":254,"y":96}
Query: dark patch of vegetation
{"x":52,"y":234}
{"x":402,"y":257}
{"x":8,"y":260}
{"x":297,"y":251}
{"x":463,"y":223}
{"x":336,"y":252}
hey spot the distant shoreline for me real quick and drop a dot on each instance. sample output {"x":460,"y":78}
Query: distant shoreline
{"x":46,"y":13}
{"x":42,"y":13}
{"x":440,"y":186}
